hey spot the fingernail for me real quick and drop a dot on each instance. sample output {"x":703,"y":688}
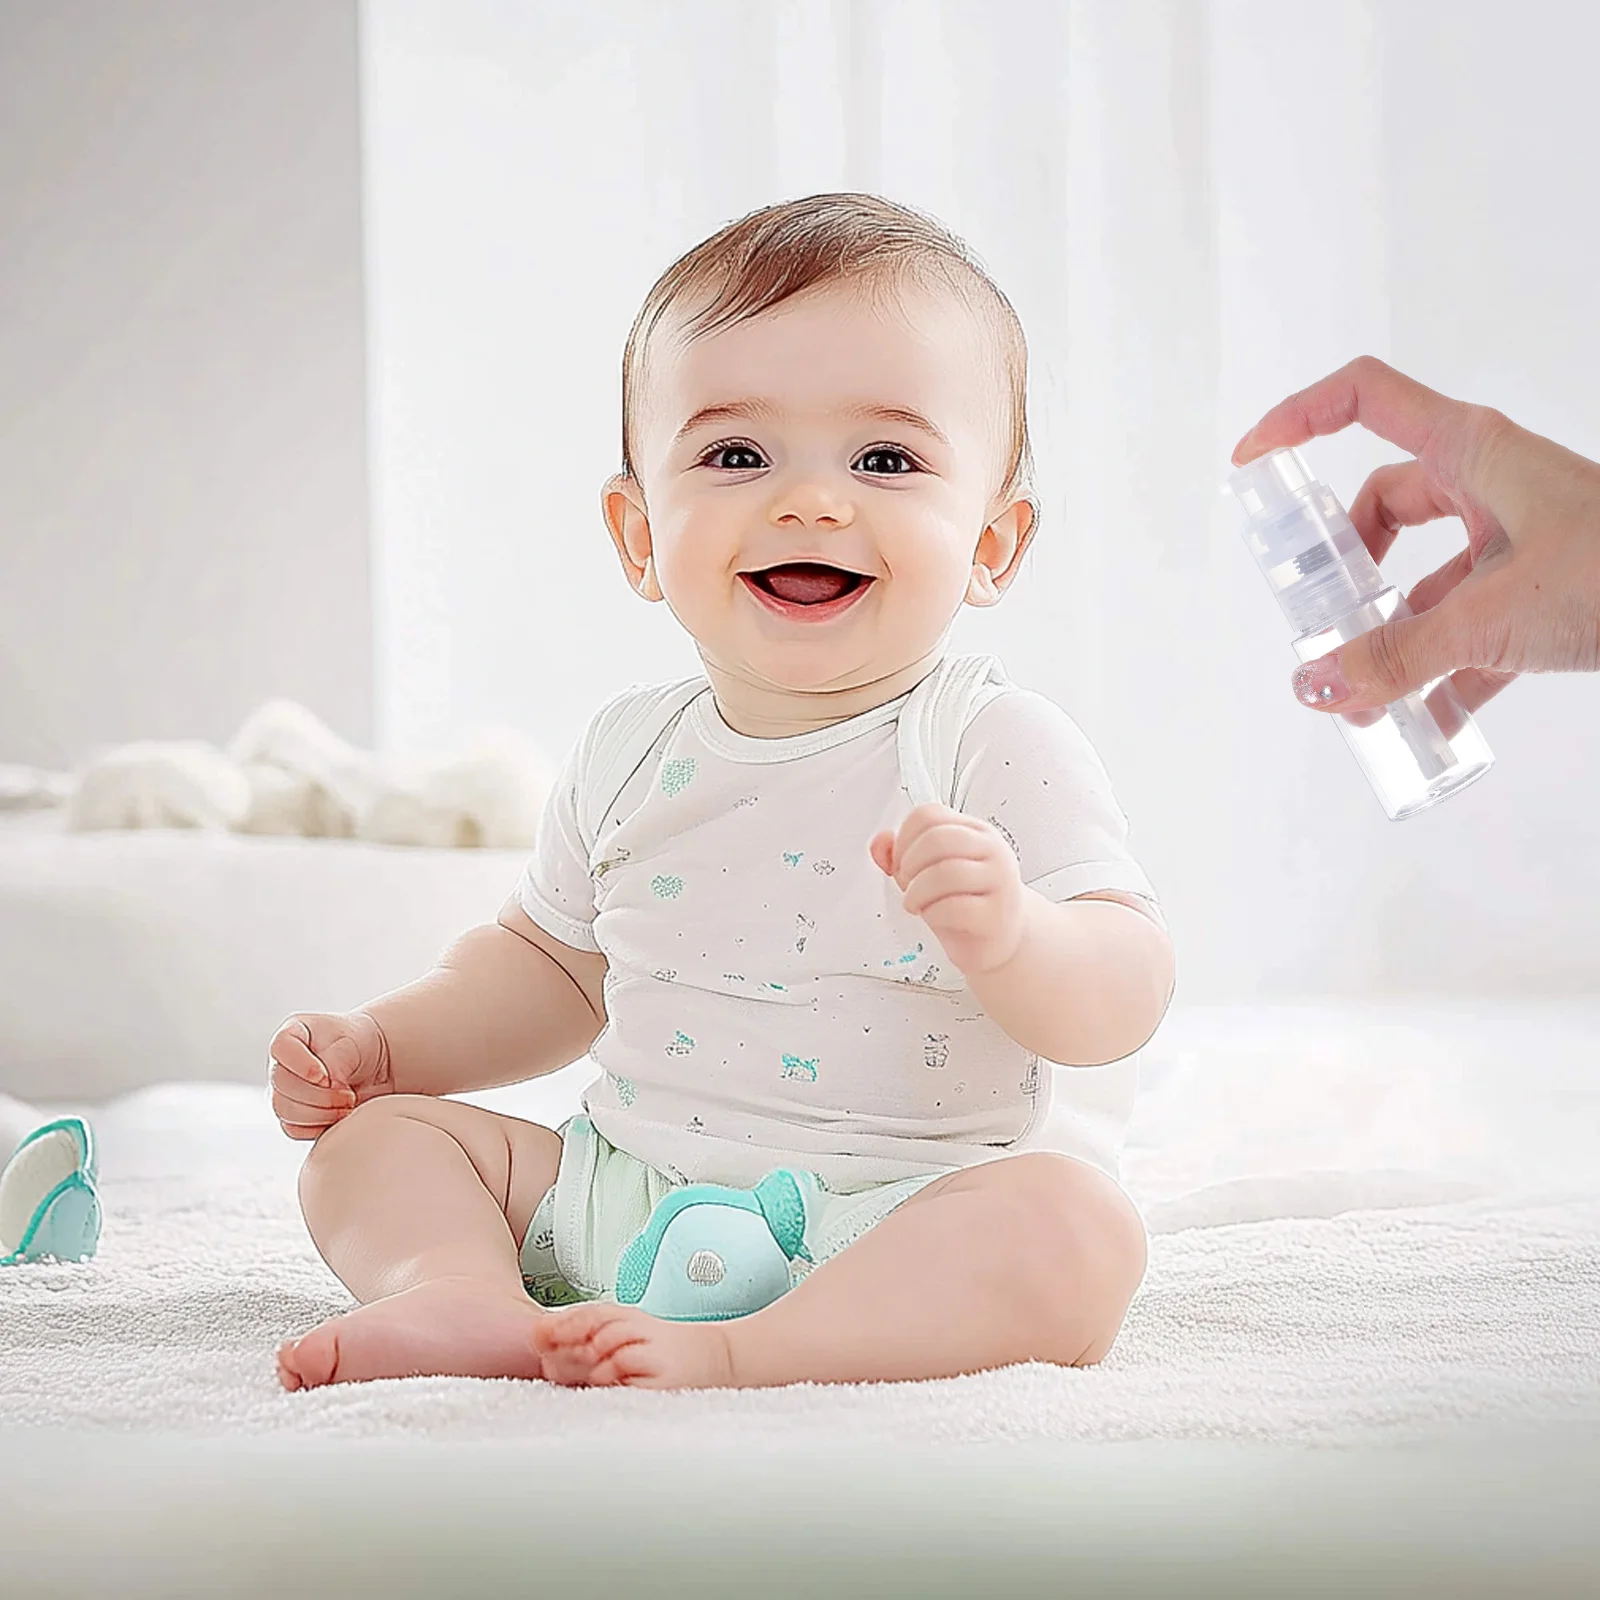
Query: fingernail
{"x":1243,"y":445}
{"x":1320,"y":682}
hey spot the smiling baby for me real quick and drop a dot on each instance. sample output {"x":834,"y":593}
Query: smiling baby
{"x":826,"y":919}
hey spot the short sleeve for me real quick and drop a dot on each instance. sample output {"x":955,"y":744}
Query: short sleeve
{"x":556,"y":889}
{"x":1027,"y":768}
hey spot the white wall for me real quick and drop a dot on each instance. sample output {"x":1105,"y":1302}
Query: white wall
{"x":1196,"y":209}
{"x":183,"y":518}
{"x":1407,"y":178}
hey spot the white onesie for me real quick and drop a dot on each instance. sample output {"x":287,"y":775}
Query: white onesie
{"x":769,"y":1002}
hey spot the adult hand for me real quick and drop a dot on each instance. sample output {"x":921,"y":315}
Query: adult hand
{"x":1524,"y":596}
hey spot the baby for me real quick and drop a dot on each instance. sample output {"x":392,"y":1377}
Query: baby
{"x":812,"y":968}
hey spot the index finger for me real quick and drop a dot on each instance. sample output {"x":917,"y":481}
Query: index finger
{"x":1368,"y":391}
{"x":1403,"y":494}
{"x":916,"y":822}
{"x":293,"y":1053}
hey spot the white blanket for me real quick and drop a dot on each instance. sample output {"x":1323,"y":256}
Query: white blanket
{"x":1378,"y":1227}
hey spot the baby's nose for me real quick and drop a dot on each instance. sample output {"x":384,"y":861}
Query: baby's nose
{"x":811,"y":502}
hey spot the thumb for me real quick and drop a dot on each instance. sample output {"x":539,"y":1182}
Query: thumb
{"x":882,"y":849}
{"x":342,"y":1058}
{"x":1385,"y":664}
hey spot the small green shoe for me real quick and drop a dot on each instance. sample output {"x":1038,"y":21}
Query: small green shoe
{"x":49,"y":1206}
{"x":710,"y":1253}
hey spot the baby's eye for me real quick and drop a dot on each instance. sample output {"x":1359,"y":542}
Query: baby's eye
{"x":746,"y":457}
{"x":898,"y":462}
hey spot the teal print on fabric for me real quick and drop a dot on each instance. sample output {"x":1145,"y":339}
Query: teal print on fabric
{"x":681,"y":1045}
{"x":668,"y":886}
{"x":777,"y":988}
{"x":910,"y":955}
{"x":676,"y":774}
{"x":800,"y":1067}
{"x":793,"y":858}
{"x":626,"y":1092}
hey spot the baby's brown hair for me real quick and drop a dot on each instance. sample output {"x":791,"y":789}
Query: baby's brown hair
{"x":766,"y":257}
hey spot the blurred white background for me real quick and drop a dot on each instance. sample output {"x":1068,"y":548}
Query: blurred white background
{"x":311,"y":318}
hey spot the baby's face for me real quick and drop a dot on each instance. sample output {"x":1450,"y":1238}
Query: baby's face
{"x":815,"y":485}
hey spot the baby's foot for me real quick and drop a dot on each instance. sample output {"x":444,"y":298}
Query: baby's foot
{"x":600,"y":1343}
{"x":453,"y":1327}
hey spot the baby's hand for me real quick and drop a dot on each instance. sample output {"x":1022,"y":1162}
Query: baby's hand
{"x":323,"y":1067}
{"x":960,"y":877}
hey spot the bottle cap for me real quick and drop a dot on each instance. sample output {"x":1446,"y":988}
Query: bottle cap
{"x":1267,"y":485}
{"x":1303,"y":541}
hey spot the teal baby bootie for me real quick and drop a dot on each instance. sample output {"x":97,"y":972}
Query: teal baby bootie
{"x":49,"y":1207}
{"x":709,"y":1253}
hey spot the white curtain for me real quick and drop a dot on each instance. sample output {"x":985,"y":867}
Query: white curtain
{"x":1195,"y":208}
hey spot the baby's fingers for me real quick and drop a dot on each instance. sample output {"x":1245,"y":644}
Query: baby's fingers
{"x":306,"y":1122}
{"x":293,"y":1089}
{"x":302,"y":1121}
{"x":291,"y":1050}
{"x":956,"y":877}
{"x":305,"y":1130}
{"x":341,"y":1059}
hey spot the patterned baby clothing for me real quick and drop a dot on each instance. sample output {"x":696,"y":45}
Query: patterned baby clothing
{"x":769,"y":1002}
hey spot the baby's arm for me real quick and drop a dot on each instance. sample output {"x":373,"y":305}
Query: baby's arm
{"x":1088,"y":983}
{"x":1081,"y":982}
{"x":505,"y":1002}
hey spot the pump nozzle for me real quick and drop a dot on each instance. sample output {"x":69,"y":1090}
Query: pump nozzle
{"x":1303,"y":541}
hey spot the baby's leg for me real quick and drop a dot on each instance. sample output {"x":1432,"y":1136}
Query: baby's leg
{"x":1033,"y":1258}
{"x":420,"y":1205}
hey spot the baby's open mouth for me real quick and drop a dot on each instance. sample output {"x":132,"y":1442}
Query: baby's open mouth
{"x":806,"y":583}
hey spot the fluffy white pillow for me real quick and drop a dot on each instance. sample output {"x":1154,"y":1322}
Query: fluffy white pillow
{"x":287,"y":772}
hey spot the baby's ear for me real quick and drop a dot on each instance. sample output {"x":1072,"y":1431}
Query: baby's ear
{"x":622,"y":505}
{"x":1001,"y":547}
{"x":981,"y":588}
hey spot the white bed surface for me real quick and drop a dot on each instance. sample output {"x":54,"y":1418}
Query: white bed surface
{"x":1490,"y":1515}
{"x":1365,"y":1228}
{"x":1366,"y":1360}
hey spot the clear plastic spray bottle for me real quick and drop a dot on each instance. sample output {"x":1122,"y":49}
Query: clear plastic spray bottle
{"x":1415,"y":751}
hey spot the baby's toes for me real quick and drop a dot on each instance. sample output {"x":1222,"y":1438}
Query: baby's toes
{"x":563,"y":1351}
{"x":288,"y":1374}
{"x":633,"y":1363}
{"x":311,"y":1358}
{"x":568,"y":1327}
{"x":567,"y":1364}
{"x":624,"y":1331}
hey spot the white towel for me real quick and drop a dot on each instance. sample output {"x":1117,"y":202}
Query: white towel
{"x":1318,"y":1329}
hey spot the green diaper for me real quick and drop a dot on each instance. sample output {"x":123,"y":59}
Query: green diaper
{"x":603,"y":1198}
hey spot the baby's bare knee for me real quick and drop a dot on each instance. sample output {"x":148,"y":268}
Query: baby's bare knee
{"x":351,"y":1139}
{"x":1083,"y":1247}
